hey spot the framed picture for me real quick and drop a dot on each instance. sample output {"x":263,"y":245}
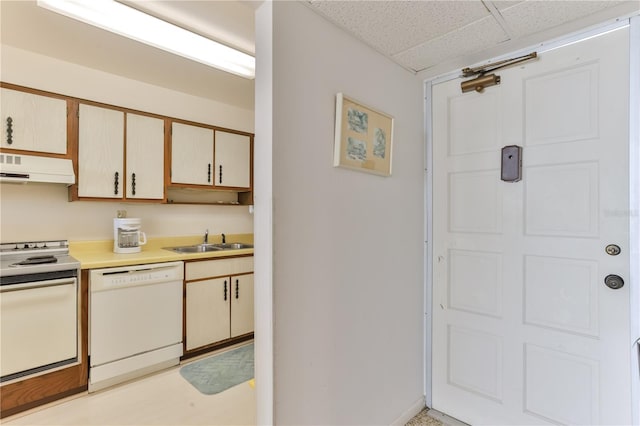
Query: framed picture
{"x":363,"y":139}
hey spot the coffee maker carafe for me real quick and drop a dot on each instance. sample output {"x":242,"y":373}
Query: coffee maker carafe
{"x":127,"y":237}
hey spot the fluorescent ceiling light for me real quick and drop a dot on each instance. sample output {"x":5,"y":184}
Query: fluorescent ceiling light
{"x":129,"y":22}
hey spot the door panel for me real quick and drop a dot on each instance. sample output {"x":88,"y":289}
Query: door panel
{"x":574,"y":114}
{"x":475,"y":282}
{"x":524,"y":329}
{"x":562,"y":200}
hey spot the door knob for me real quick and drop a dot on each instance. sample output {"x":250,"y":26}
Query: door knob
{"x":614,"y":282}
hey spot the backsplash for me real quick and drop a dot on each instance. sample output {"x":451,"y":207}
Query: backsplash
{"x":41,"y":211}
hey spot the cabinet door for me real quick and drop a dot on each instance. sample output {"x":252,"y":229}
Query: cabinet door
{"x":100,"y":152}
{"x":191,"y":154}
{"x":241,"y":305}
{"x":207,"y":313}
{"x":232,"y":160}
{"x":145,"y":157}
{"x":38,"y":123}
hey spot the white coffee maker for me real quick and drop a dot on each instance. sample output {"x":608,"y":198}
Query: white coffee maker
{"x":127,"y":237}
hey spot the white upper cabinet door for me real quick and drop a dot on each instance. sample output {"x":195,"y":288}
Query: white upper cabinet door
{"x":100,"y":152}
{"x":233,"y":160}
{"x":34,"y":122}
{"x":145,"y":157}
{"x":191,"y":155}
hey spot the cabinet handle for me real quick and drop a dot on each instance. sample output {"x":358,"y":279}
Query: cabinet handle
{"x":133,"y":183}
{"x":237,"y":290}
{"x":225,"y":289}
{"x":115,"y":183}
{"x":209,"y":172}
{"x":9,"y":130}
{"x":220,"y":178}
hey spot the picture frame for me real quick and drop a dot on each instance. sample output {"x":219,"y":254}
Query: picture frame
{"x":363,"y":137}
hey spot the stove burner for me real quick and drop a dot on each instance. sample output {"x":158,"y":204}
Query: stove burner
{"x":21,"y":259}
{"x":36,"y":260}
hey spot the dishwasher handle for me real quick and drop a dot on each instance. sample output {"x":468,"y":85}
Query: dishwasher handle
{"x":37,"y":284}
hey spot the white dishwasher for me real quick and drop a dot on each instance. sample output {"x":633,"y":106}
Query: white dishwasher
{"x":135,"y":321}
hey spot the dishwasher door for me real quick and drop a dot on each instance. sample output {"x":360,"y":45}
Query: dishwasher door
{"x":39,"y":325}
{"x":135,"y":324}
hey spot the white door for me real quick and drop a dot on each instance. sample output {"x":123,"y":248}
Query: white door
{"x":524,"y":329}
{"x":145,"y":157}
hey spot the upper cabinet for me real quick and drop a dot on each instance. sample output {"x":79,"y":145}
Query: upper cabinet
{"x":232,"y":160}
{"x":191,"y":154}
{"x":33,"y":122}
{"x":207,"y":156}
{"x":102,"y":143}
{"x":129,"y":155}
{"x":145,"y":157}
{"x":100,"y":152}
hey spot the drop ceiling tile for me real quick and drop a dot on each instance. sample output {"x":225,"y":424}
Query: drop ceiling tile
{"x":476,"y":37}
{"x":530,"y":17}
{"x":503,"y":4}
{"x":394,"y":26}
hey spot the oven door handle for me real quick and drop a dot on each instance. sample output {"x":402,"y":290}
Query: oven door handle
{"x":37,"y":284}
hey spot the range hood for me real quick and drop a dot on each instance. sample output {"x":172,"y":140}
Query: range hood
{"x":20,"y":168}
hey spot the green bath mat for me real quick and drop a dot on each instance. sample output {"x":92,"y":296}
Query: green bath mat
{"x":220,"y":372}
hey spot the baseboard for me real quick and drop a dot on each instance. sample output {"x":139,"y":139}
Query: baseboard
{"x":410,"y":412}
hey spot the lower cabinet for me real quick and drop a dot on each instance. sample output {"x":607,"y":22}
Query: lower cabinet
{"x":219,"y":301}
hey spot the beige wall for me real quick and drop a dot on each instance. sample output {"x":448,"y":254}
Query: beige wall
{"x":348,"y":246}
{"x":35,"y":211}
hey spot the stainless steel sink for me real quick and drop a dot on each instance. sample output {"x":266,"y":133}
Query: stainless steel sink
{"x":204,"y":248}
{"x":233,"y":246}
{"x":198,"y":248}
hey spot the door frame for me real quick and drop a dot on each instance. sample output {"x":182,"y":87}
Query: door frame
{"x":634,"y":193}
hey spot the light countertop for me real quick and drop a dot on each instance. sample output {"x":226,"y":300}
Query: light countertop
{"x":99,"y":254}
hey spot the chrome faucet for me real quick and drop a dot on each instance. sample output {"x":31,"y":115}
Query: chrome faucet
{"x":206,"y":237}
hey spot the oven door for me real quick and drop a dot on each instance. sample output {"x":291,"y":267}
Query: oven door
{"x":39,"y":324}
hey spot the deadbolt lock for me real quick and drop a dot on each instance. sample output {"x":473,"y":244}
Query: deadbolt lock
{"x":612,"y":250}
{"x":614,"y":282}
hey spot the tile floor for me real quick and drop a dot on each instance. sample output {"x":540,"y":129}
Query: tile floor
{"x":164,"y":398}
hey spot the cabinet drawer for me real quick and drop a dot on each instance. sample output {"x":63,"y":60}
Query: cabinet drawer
{"x":218,"y":268}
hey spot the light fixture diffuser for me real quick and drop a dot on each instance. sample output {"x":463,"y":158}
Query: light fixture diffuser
{"x":134,"y":24}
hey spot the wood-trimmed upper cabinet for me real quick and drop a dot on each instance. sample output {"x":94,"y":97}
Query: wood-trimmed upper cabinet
{"x":33,"y":122}
{"x":191,"y":154}
{"x":145,"y":157}
{"x":101,"y":154}
{"x":232,"y":160}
